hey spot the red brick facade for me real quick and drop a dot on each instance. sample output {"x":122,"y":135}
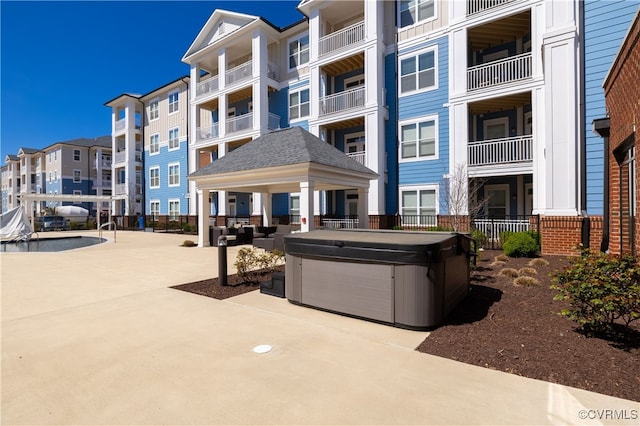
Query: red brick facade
{"x":622,"y":94}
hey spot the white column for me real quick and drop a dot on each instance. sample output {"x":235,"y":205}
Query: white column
{"x":222,"y":204}
{"x":204,"y":207}
{"x":260,"y":59}
{"x":222,"y":69}
{"x":194,"y":123}
{"x":458,"y":62}
{"x":306,"y":206}
{"x":376,"y":160}
{"x":314,"y":70}
{"x":266,"y":208}
{"x":222,"y":117}
{"x":363,"y":208}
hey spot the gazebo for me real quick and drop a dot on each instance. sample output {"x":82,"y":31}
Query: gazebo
{"x":288,"y":160}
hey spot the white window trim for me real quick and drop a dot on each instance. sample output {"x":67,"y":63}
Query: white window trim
{"x":419,"y":188}
{"x":157,"y":102}
{"x":172,"y":185}
{"x":435,"y":71}
{"x":493,"y":122}
{"x":150,"y":180}
{"x":150,"y":144}
{"x":300,"y":118}
{"x":437,"y":138}
{"x":177,"y":102}
{"x":298,"y":37}
{"x":79,"y":155}
{"x":169,"y":139}
{"x":79,"y":176}
{"x":169,"y":202}
{"x":399,"y":15}
{"x":154,"y":202}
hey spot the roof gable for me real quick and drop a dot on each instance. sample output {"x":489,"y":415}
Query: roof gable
{"x":220,"y":24}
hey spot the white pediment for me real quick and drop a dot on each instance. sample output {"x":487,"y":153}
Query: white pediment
{"x":220,"y":25}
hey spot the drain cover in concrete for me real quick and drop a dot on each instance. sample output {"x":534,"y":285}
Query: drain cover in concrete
{"x":262,"y":349}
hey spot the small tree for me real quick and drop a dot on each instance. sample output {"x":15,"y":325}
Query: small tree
{"x":461,"y":195}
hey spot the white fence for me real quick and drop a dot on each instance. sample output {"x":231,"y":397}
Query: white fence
{"x":340,"y":223}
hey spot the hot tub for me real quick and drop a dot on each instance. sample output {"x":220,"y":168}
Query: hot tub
{"x":407,"y":279}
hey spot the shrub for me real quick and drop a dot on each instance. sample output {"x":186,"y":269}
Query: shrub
{"x":479,"y":237}
{"x":251,"y":263}
{"x":188,"y":243}
{"x":527,"y":271}
{"x":601,"y":290}
{"x":520,"y":244}
{"x":526,"y":281}
{"x":508,"y":272}
{"x":538,"y":261}
{"x":501,"y":258}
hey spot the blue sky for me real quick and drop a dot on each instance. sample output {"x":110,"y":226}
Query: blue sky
{"x":61,"y":61}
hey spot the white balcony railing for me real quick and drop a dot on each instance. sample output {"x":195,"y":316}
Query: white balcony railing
{"x":341,"y":39}
{"x":120,"y":156}
{"x":492,"y":228}
{"x":499,"y":72}
{"x":274,"y":122}
{"x":120,"y":189}
{"x":242,"y":122}
{"x":342,"y":101}
{"x":207,"y":86}
{"x":239,"y":73}
{"x":477,"y":6}
{"x":138,"y":155}
{"x":359,"y":156}
{"x":340,"y":223}
{"x":121,"y":124}
{"x":517,"y":149}
{"x":208,"y":132}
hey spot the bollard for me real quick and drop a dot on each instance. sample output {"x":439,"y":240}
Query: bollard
{"x":222,"y":260}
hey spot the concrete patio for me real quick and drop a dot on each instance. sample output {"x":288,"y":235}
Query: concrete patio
{"x":95,"y":336}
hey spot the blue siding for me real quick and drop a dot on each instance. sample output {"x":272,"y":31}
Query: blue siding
{"x":278,"y":105}
{"x":428,"y":172}
{"x":606,"y":22}
{"x":280,"y":204}
{"x":165,"y":192}
{"x":391,"y":136}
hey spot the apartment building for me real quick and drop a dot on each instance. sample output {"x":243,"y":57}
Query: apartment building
{"x":149,"y":136}
{"x":416,"y":91}
{"x":79,"y":166}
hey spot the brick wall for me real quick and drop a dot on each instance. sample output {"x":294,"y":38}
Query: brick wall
{"x":622,"y":94}
{"x":562,"y":235}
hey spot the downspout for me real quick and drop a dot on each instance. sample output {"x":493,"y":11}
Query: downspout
{"x":601,"y":128}
{"x":586,"y":221}
{"x":143,"y":183}
{"x":188,"y":166}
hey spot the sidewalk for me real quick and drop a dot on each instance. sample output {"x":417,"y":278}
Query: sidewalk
{"x":95,"y":336}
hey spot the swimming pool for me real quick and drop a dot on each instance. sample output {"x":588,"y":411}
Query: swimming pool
{"x":51,"y":244}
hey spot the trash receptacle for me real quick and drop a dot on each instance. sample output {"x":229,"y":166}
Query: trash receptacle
{"x":141,"y":223}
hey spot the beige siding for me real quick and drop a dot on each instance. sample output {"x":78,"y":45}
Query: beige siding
{"x":422,"y":28}
{"x":166,"y":120}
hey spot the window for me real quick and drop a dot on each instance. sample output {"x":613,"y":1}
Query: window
{"x":154,"y":144}
{"x":77,"y":192}
{"x":55,"y":155}
{"x":154,"y":177}
{"x":497,"y":197}
{"x":154,"y":209}
{"x":298,"y":104}
{"x":419,"y":205}
{"x":294,"y":209}
{"x":418,"y":140}
{"x":50,"y":179}
{"x":76,"y":155}
{"x":173,"y":102}
{"x":174,"y":174}
{"x":414,"y":11}
{"x":174,"y":209}
{"x":299,"y":51}
{"x":154,"y":110}
{"x":55,"y":175}
{"x":76,"y":176}
{"x":418,"y":72}
{"x":174,"y":143}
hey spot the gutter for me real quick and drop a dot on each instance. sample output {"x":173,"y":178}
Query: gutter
{"x":601,"y":127}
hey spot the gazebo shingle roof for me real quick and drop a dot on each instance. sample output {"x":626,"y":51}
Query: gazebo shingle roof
{"x":285,"y":147}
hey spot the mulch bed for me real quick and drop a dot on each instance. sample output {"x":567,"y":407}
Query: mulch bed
{"x":235,"y":285}
{"x":511,"y":328}
{"x":517,"y":329}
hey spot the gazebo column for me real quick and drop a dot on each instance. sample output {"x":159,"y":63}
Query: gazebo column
{"x":266,"y":208}
{"x":204,"y":207}
{"x":306,"y":206}
{"x":363,"y":208}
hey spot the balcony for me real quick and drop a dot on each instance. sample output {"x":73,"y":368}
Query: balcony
{"x":517,"y":149}
{"x":206,"y":133}
{"x":102,"y":163}
{"x":121,"y":124}
{"x":342,"y":39}
{"x":207,"y":86}
{"x":240,"y":73}
{"x":274,"y":122}
{"x":240,"y":123}
{"x":477,"y":6}
{"x":342,"y":101}
{"x":120,"y":157}
{"x":120,"y":189}
{"x":359,"y":156}
{"x":499,"y":72}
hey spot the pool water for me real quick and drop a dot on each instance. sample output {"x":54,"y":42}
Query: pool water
{"x":51,"y":244}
